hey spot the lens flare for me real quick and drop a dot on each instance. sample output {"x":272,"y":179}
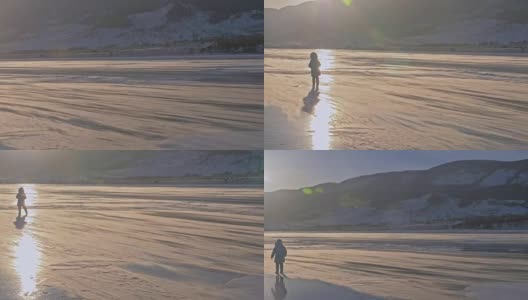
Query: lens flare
{"x":347,"y":2}
{"x":311,"y":191}
{"x":307,"y":191}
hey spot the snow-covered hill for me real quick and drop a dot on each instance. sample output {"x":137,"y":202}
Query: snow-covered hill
{"x":79,"y":166}
{"x":36,"y":25}
{"x":193,"y":163}
{"x":396,"y":23}
{"x":459,"y":194}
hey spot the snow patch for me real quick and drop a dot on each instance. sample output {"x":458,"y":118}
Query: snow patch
{"x":474,"y":32}
{"x":522,"y":178}
{"x":151,"y":19}
{"x":416,"y":203}
{"x":458,"y":178}
{"x":499,"y":177}
{"x":150,"y":28}
{"x":419,"y":210}
{"x":452,"y":209}
{"x":192,"y":164}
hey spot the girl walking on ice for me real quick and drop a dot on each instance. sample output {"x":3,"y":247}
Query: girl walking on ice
{"x":21,"y":201}
{"x":315,"y":66}
{"x":279,"y":252}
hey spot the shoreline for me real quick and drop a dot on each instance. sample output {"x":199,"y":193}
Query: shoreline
{"x":215,"y":185}
{"x":219,"y":55}
{"x":456,"y":231}
{"x":416,"y":51}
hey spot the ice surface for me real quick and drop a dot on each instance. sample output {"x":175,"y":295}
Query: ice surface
{"x":207,"y":103}
{"x":132,"y":242}
{"x":404,"y":265}
{"x":384,"y":100}
{"x":499,"y":290}
{"x":282,"y":288}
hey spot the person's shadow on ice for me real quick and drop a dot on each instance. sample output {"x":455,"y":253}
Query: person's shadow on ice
{"x":20,"y":222}
{"x":310,"y":101}
{"x":279,"y":291}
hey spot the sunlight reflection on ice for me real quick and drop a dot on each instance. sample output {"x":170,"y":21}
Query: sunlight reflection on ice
{"x":31,"y":194}
{"x":324,"y":110}
{"x":27,"y":262}
{"x":27,"y":255}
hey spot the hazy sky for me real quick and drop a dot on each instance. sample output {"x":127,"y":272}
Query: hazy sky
{"x":281,"y":3}
{"x":296,"y":169}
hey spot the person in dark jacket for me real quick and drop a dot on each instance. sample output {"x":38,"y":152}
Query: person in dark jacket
{"x":21,"y":201}
{"x":279,"y":252}
{"x":315,"y":66}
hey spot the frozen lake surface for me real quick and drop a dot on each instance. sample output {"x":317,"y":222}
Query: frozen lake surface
{"x":434,"y":265}
{"x":203,"y":102}
{"x":382,"y":100}
{"x":132,"y":242}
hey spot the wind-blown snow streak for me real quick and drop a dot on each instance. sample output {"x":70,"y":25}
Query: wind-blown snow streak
{"x":381,"y":100}
{"x":132,"y":103}
{"x":135,"y":242}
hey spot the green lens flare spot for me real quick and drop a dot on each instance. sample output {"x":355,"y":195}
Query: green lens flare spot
{"x":347,"y":2}
{"x":307,"y":191}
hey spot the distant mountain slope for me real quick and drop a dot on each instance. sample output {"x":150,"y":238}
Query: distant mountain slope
{"x":64,"y":24}
{"x":383,"y":23}
{"x":463,"y":193}
{"x":86,"y":166}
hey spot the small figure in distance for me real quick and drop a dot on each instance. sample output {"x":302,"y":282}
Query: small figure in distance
{"x":21,"y":201}
{"x":315,"y":66}
{"x":279,"y":253}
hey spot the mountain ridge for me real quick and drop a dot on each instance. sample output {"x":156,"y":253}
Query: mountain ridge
{"x":398,"y":23}
{"x":523,"y":161}
{"x":100,"y":166}
{"x":38,"y":25}
{"x":439,"y":195}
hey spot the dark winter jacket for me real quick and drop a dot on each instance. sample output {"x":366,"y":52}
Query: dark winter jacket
{"x":279,"y":252}
{"x":21,"y":197}
{"x":314,"y":67}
